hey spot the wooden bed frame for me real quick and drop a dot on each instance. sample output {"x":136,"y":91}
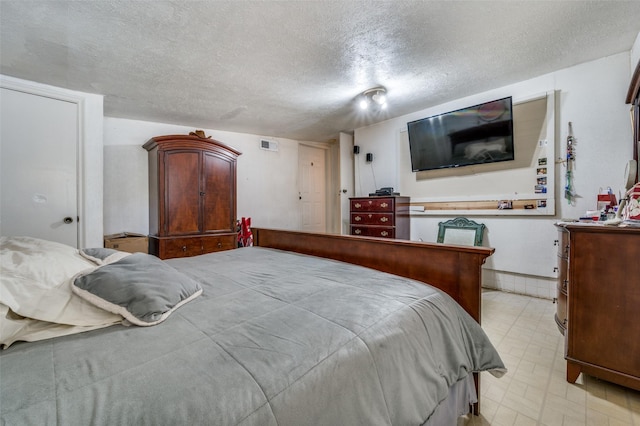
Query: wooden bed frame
{"x":457,"y":270}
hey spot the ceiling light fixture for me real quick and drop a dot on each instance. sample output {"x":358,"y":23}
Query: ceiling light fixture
{"x":376,"y":96}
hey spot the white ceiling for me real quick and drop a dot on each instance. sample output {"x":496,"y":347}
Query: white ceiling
{"x":294,"y":68}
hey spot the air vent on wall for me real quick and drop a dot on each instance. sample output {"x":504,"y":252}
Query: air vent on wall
{"x":268,"y":145}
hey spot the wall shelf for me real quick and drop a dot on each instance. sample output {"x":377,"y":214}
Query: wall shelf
{"x":480,"y":207}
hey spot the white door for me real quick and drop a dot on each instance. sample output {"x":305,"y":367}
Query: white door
{"x":312,"y":188}
{"x":38,"y":167}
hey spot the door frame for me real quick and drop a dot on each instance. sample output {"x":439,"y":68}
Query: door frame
{"x":89,"y":169}
{"x":346,"y":180}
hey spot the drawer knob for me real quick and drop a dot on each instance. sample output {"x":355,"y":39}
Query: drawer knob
{"x":357,"y":232}
{"x":384,"y":219}
{"x":357,"y":205}
{"x":184,"y":248}
{"x":219,"y":244}
{"x":384,"y":233}
{"x":384,"y":205}
{"x":357,"y":218}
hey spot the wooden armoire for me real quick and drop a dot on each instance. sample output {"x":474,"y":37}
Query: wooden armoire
{"x":192,"y":196}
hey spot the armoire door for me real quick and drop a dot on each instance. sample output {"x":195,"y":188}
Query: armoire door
{"x":182,"y":193}
{"x":219,"y":193}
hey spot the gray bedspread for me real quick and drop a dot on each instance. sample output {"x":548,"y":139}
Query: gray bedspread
{"x":276,"y":338}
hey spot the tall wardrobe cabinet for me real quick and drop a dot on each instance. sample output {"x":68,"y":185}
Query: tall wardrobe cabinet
{"x":192,"y":196}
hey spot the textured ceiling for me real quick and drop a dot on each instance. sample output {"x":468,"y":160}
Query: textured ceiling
{"x":294,"y":68}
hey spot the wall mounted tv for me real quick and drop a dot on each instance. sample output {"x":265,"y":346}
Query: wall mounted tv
{"x":478,"y":134}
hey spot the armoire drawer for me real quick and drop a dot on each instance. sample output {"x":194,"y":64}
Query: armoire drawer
{"x":179,"y":247}
{"x":168,"y":248}
{"x":219,"y":243}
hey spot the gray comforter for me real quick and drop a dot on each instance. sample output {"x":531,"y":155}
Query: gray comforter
{"x":276,"y":339}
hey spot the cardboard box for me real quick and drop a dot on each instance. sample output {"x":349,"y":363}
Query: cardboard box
{"x":127,"y":241}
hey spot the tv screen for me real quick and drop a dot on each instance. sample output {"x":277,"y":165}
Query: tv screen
{"x":475,"y":135}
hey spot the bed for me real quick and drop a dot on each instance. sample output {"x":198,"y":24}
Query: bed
{"x":301,"y":329}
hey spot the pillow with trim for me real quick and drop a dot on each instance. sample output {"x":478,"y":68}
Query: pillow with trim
{"x":102,"y":256}
{"x":140,"y":287}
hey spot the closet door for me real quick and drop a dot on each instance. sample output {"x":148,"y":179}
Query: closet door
{"x":182,"y":192}
{"x":38,"y":167}
{"x":219,"y":193}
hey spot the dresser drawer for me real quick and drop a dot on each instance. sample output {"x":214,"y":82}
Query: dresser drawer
{"x":372,"y":205}
{"x":373,"y":231}
{"x":372,"y":219}
{"x":563,"y":275}
{"x":386,"y":217}
{"x":563,"y":244}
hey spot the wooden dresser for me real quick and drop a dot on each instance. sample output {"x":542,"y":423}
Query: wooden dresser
{"x":563,"y":278}
{"x":386,"y":217}
{"x":599,"y":282}
{"x":192,"y":196}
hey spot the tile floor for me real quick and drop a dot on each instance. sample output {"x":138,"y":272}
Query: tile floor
{"x":534,"y":391}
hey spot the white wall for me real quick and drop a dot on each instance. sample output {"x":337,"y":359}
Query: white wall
{"x":635,"y":54}
{"x":591,"y":97}
{"x":267,"y":181}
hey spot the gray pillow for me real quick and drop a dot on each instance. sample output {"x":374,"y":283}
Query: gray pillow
{"x":97,"y":254}
{"x":140,"y":287}
{"x":102,"y":256}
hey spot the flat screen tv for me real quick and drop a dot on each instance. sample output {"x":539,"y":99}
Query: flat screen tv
{"x":478,"y":134}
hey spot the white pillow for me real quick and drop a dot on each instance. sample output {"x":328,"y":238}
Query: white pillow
{"x":36,"y":282}
{"x":14,"y":328}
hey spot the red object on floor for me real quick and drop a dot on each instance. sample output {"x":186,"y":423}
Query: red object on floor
{"x":245,"y":237}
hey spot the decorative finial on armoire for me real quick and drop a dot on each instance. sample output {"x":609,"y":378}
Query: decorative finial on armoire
{"x":200,"y":134}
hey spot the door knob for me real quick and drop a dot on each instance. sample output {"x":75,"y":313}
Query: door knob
{"x":67,"y":220}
